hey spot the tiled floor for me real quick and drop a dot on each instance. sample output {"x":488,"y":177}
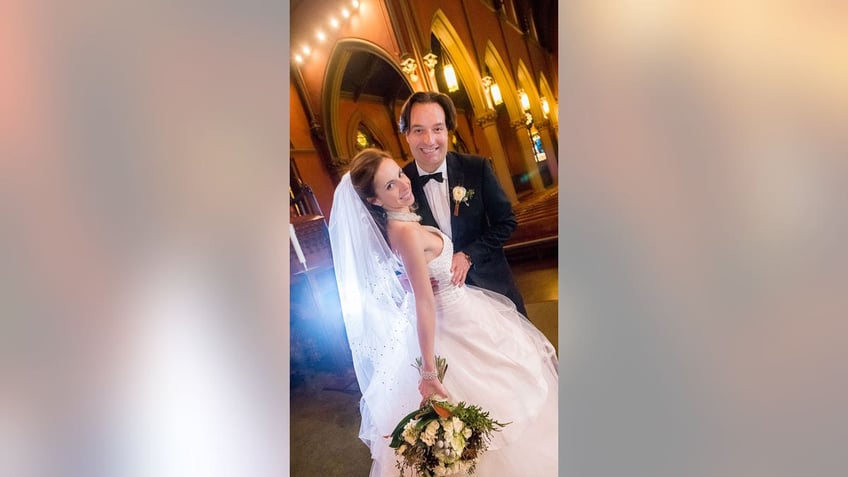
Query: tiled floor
{"x":325,"y":403}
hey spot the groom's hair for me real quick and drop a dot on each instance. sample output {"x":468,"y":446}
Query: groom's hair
{"x":441,"y":99}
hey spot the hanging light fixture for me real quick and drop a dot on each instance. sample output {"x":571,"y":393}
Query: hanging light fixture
{"x":450,"y":78}
{"x":496,"y":94}
{"x":487,"y":84}
{"x":525,"y":100}
{"x":546,"y":109}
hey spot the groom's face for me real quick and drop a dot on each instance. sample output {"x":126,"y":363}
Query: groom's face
{"x":428,"y":135}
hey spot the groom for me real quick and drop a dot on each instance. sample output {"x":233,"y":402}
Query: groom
{"x":460,"y":195}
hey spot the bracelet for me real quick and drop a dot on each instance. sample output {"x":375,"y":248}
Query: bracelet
{"x":429,"y":375}
{"x":468,"y":259}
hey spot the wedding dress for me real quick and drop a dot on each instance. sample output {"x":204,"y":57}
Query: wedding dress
{"x":496,"y":358}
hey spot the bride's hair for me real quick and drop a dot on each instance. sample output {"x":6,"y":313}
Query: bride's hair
{"x":363,"y":168}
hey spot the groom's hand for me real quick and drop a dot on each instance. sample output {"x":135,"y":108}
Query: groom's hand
{"x":460,"y":264}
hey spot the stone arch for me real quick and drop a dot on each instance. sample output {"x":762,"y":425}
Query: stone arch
{"x":333,"y":74}
{"x":463,"y":63}
{"x":353,"y":125}
{"x":546,"y":91}
{"x":503,"y":77}
{"x":528,"y":83}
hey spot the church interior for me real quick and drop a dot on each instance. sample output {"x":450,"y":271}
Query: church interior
{"x":353,"y":64}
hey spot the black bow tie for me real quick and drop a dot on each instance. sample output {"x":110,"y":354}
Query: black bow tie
{"x":426,"y":177}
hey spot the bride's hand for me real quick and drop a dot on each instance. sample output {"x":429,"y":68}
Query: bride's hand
{"x":431,"y":387}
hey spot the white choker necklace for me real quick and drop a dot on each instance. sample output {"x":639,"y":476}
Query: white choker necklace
{"x":404,"y":216}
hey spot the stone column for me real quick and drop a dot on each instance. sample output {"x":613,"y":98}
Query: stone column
{"x":488,"y":122}
{"x":528,"y":155}
{"x":549,"y":143}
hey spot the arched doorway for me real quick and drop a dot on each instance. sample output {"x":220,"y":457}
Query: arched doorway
{"x":364,"y":91}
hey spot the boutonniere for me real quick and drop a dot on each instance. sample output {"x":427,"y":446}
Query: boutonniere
{"x":461,"y":194}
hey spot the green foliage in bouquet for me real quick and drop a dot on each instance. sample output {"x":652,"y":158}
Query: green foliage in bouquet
{"x":442,"y":438}
{"x":441,"y":366}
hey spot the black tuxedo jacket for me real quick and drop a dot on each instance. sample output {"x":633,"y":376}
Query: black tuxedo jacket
{"x":482,"y":226}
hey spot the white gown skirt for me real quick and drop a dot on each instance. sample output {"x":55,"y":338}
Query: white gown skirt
{"x":498,"y":360}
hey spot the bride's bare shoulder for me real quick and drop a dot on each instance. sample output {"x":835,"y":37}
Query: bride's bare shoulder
{"x":403,"y":228}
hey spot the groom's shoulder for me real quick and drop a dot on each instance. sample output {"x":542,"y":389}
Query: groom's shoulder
{"x":410,"y":168}
{"x":466,"y":159}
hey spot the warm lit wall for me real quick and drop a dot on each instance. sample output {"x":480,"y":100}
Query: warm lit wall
{"x":306,"y":159}
{"x":472,"y":134}
{"x":376,"y":117}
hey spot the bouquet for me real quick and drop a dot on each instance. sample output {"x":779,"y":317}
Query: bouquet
{"x":442,"y":438}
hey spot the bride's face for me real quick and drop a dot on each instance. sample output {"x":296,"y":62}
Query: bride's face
{"x":393,"y":189}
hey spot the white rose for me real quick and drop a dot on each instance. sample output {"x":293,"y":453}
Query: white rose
{"x":457,"y":423}
{"x":410,"y":433}
{"x":410,"y":427}
{"x":458,"y":193}
{"x":449,"y":425}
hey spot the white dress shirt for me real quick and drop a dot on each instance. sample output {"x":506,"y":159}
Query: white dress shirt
{"x":438,"y":198}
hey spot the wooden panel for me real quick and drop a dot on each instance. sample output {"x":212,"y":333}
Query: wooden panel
{"x":314,"y":238}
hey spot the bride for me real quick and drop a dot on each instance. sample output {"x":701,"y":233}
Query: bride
{"x":496,"y":358}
